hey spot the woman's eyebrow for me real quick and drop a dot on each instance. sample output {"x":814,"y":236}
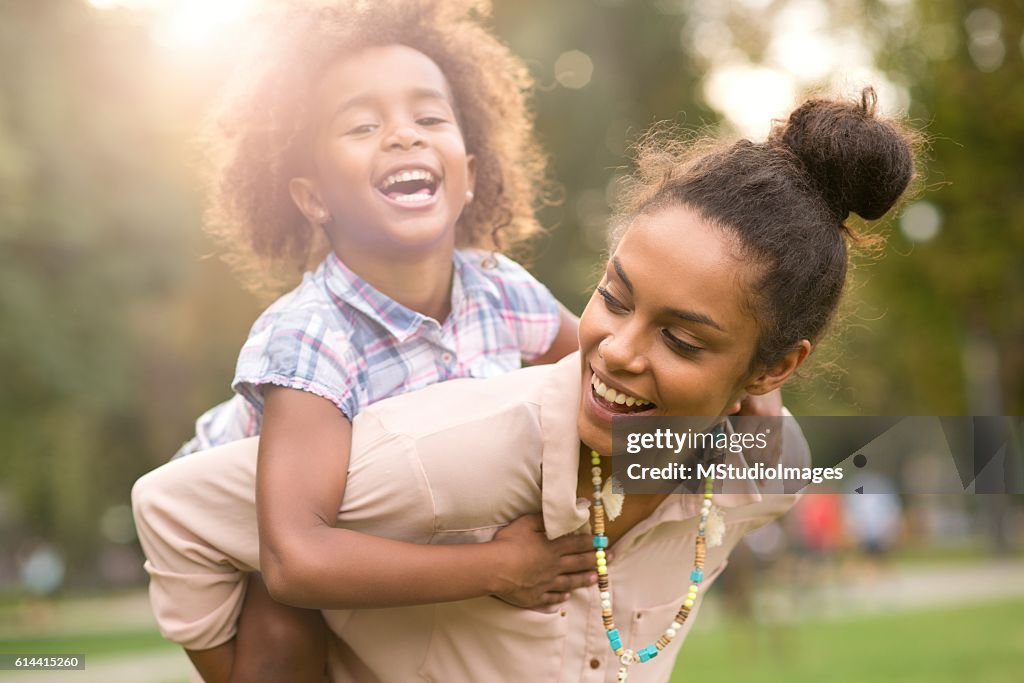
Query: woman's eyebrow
{"x":689,"y":316}
{"x":694,"y":317}
{"x":622,"y":274}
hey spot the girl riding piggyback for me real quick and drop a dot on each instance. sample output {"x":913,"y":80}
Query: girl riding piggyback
{"x":389,"y":146}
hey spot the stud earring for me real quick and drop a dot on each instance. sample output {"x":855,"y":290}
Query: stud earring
{"x":469,"y":196}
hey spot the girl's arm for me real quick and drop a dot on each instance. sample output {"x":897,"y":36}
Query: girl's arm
{"x":566,"y":340}
{"x":303,"y":462}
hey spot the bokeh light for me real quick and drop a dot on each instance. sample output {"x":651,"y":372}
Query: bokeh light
{"x":921,"y":221}
{"x":42,"y":571}
{"x":574,"y":69}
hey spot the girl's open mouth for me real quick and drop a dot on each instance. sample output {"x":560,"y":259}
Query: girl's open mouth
{"x":410,"y":188}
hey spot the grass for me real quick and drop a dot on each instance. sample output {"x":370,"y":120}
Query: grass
{"x":110,"y":643}
{"x":983,"y":644}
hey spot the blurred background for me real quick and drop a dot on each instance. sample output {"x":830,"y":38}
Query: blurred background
{"x":119,"y":325}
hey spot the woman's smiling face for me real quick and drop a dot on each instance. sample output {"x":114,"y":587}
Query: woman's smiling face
{"x":667,"y":330}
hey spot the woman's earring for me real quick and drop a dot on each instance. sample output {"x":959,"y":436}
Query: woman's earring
{"x":469,"y":196}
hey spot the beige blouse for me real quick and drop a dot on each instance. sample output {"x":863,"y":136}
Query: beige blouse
{"x":452,"y":463}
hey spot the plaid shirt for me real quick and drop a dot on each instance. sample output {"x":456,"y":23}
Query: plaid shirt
{"x":337,"y":337}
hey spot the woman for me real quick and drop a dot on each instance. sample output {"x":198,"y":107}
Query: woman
{"x":729,"y":264}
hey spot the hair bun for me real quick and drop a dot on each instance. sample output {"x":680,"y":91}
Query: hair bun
{"x":860,"y":163}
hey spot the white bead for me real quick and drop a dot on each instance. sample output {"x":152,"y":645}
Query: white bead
{"x":670,"y":632}
{"x":676,"y":625}
{"x":596,"y":471}
{"x":605,"y":595}
{"x":596,"y":481}
{"x":627,"y":657}
{"x":606,"y":604}
{"x":623,"y":674}
{"x":707,"y":503}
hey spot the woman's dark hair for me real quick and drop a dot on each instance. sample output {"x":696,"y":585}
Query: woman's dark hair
{"x":257,"y":139}
{"x":787,"y":200}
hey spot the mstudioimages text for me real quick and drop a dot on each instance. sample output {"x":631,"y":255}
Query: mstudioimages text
{"x":756,"y":472}
{"x":669,"y":440}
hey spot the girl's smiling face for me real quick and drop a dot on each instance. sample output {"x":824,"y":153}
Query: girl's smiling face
{"x":668,"y":332}
{"x":390,"y":163}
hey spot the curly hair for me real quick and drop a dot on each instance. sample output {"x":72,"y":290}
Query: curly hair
{"x":256,"y":139}
{"x":787,"y":201}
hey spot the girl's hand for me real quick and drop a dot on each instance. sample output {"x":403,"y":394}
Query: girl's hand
{"x":542,"y":572}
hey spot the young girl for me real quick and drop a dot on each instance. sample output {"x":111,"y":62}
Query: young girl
{"x":729,"y":264}
{"x":395,"y":136}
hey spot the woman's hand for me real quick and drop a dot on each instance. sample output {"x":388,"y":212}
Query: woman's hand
{"x":542,"y":572}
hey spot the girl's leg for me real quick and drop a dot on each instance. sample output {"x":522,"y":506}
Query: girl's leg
{"x":196,"y":519}
{"x":277,"y":642}
{"x":214,"y":665}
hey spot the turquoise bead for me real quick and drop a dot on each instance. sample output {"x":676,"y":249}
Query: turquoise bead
{"x":697,"y":575}
{"x":614,"y":634}
{"x":600,"y":541}
{"x":649,"y":652}
{"x":616,"y":644}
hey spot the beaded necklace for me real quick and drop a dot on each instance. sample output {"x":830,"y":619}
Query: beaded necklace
{"x":625,"y":655}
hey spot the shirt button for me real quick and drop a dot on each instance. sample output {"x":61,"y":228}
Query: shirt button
{"x":595,"y":663}
{"x":563,"y":613}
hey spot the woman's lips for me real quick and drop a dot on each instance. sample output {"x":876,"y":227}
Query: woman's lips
{"x":605,"y":410}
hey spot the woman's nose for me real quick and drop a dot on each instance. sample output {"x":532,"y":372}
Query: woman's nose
{"x":622,"y":352}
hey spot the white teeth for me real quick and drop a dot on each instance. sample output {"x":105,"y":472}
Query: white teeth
{"x":412,"y":198}
{"x":613,"y":396}
{"x":406,"y":176}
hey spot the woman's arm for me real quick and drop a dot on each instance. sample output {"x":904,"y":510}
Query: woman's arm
{"x":566,"y":340}
{"x":303,"y":461}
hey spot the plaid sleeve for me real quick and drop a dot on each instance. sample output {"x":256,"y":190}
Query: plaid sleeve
{"x":229,"y":421}
{"x":527,"y":306}
{"x":297,"y":350}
